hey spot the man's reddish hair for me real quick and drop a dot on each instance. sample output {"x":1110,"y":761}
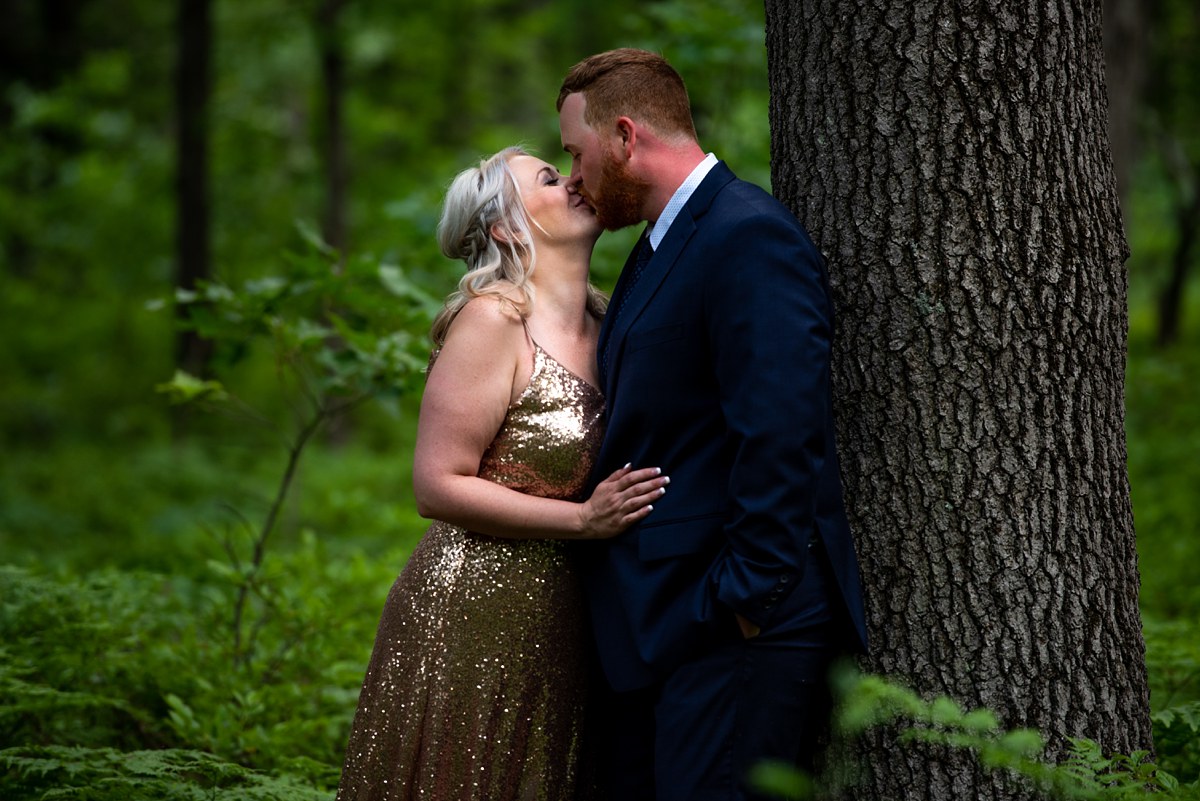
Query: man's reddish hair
{"x":631,"y":83}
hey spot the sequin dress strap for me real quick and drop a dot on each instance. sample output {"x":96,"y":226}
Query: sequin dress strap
{"x":541,"y":356}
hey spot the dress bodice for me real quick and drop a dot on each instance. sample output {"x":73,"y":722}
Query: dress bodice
{"x":550,"y":436}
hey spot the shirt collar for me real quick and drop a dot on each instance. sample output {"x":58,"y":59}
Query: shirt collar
{"x":659,"y":229}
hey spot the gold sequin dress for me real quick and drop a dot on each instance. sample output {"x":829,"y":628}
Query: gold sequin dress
{"x":477,"y":686}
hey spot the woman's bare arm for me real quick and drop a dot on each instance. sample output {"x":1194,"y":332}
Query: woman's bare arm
{"x":483,"y":366}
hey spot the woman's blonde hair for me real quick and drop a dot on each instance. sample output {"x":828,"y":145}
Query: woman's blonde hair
{"x":485,"y":223}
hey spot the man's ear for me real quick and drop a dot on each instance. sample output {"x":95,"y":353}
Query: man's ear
{"x":627,"y":129}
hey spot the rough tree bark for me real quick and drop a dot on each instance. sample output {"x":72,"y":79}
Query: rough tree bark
{"x":952,"y":161}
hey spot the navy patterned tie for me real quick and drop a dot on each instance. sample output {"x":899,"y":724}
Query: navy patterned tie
{"x":644,"y":251}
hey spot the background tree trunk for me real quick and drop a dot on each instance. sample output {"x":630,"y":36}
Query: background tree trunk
{"x":1171,"y":110}
{"x":193,"y":85}
{"x":1187,"y":226}
{"x":40,"y":44}
{"x":40,"y":41}
{"x":335,"y":225}
{"x":1126,"y":31}
{"x":952,"y":162}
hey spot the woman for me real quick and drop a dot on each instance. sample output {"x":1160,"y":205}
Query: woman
{"x":476,"y":688}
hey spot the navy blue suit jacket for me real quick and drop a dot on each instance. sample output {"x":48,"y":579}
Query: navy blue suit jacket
{"x":719,"y":372}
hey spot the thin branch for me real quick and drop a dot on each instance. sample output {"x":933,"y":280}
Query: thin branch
{"x":294,"y":453}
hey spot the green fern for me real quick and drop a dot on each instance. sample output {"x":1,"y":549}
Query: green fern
{"x":1177,"y":739}
{"x":105,"y":774}
{"x":1086,"y":773}
{"x":1173,"y":661}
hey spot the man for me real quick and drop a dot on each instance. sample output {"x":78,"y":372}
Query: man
{"x":715,"y":619}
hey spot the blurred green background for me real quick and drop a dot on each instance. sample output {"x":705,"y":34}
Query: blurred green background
{"x":144,"y":647}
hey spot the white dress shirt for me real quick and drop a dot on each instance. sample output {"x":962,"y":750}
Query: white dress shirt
{"x":684,"y":193}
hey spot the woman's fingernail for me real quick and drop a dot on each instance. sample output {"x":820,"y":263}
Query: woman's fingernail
{"x":627,"y":465}
{"x":658,"y":471}
{"x":666,"y":480}
{"x":649,"y":508}
{"x":662,"y":490}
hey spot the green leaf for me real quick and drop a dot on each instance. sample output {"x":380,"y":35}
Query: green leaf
{"x":1025,"y":742}
{"x":186,"y":388}
{"x":218,"y":293}
{"x":781,"y":780}
{"x":1185,"y":714}
{"x":271,"y":285}
{"x":980,"y":721}
{"x":945,"y":712}
{"x":314,"y":239}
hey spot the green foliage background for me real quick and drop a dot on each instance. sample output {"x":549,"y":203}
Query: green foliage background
{"x":124,"y":549}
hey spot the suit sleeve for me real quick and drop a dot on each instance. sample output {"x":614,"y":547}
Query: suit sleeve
{"x":769,"y":324}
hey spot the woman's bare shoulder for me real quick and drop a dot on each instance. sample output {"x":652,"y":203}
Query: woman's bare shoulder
{"x":486,"y":335}
{"x":486,"y":316}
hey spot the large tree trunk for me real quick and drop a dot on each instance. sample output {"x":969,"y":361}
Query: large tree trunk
{"x":192,"y":89}
{"x":952,"y":162}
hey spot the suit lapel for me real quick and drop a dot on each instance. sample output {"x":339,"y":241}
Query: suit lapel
{"x":606,"y":325}
{"x":665,"y":257}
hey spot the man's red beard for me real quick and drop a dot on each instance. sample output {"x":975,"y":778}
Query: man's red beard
{"x":621,"y":196}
